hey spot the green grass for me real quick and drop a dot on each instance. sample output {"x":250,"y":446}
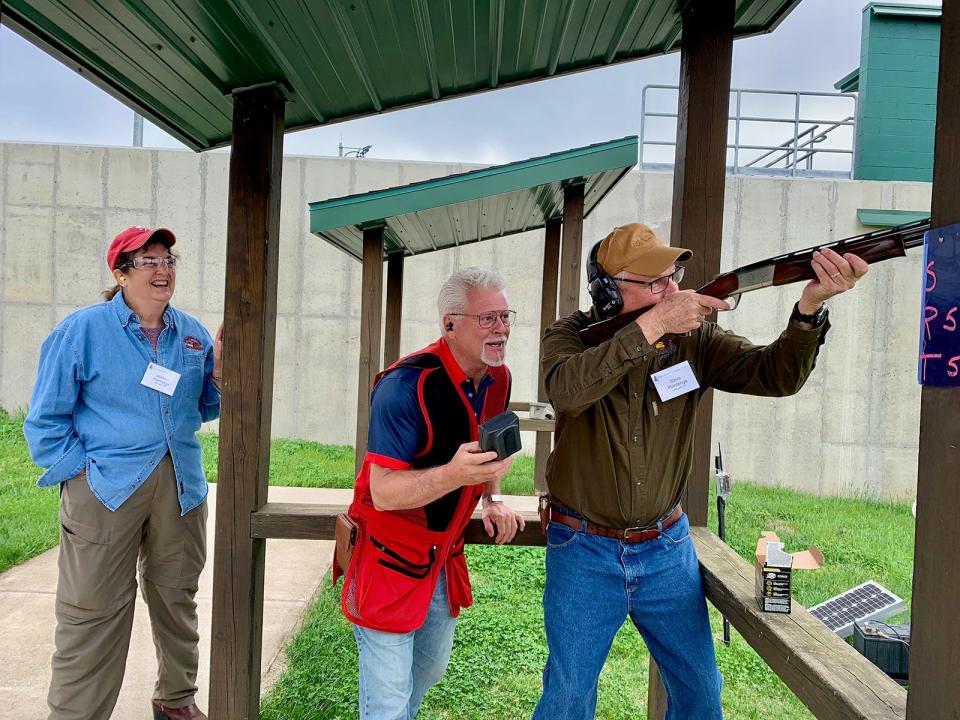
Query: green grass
{"x":28,"y":514}
{"x":500,"y":648}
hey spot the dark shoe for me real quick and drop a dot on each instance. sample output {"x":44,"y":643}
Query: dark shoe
{"x":190,"y":712}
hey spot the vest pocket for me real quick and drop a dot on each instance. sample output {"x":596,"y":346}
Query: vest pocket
{"x":390,"y":583}
{"x":396,"y":561}
{"x":459,"y":591}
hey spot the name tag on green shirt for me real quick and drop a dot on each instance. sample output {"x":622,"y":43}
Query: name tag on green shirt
{"x":675,"y":380}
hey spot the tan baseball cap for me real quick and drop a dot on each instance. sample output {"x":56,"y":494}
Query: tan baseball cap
{"x":635,"y":248}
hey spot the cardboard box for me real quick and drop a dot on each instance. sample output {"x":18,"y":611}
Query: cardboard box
{"x":774,"y":573}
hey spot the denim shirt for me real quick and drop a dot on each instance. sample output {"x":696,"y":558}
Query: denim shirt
{"x":89,"y":410}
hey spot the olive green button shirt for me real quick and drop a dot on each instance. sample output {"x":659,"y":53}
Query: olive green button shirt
{"x":622,"y":456}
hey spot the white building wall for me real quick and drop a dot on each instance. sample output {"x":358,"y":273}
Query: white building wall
{"x":852,"y":430}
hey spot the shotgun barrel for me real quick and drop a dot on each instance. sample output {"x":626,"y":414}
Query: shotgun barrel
{"x":783,"y":269}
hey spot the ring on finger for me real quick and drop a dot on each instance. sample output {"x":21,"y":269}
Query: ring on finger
{"x":835,"y":276}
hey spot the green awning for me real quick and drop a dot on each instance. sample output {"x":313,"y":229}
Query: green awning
{"x":177,"y":62}
{"x":473,"y":206}
{"x":889,"y":218}
{"x":917,"y":12}
{"x":849,"y":82}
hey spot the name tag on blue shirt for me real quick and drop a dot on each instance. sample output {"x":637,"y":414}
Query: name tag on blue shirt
{"x":675,"y":380}
{"x":160,"y":378}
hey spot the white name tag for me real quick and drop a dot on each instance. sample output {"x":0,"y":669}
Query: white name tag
{"x":160,"y":378}
{"x":675,"y":380}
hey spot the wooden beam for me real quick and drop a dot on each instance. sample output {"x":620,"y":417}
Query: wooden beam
{"x":697,"y":218}
{"x":371,"y":311}
{"x":304,"y":521}
{"x":656,"y":693}
{"x":572,"y":250}
{"x":548,"y":314}
{"x":825,"y":673}
{"x":698,"y":183}
{"x":548,"y":296}
{"x":391,"y":334}
{"x":250,"y":310}
{"x":935,"y":646}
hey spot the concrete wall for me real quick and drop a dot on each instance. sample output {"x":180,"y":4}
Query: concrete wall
{"x":852,"y":430}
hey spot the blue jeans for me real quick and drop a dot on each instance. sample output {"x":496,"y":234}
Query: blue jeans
{"x":397,"y":669}
{"x":593,"y":584}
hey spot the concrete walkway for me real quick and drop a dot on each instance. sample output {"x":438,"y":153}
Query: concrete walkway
{"x":294,"y":571}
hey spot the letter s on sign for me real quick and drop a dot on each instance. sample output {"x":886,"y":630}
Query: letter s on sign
{"x":951,"y":323}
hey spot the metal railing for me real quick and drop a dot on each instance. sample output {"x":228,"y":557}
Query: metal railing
{"x":803,"y":147}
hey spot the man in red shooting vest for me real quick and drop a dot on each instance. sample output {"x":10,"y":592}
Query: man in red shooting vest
{"x":420,"y":481}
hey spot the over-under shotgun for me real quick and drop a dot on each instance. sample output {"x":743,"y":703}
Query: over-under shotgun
{"x":782,"y":270}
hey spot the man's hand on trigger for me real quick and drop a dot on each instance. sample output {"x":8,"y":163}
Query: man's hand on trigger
{"x":472,"y":466}
{"x":684,"y":310}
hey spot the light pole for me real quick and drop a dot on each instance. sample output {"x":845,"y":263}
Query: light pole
{"x":137,"y":129}
{"x":355,"y":151}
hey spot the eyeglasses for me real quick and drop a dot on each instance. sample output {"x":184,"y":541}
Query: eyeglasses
{"x":660,"y":284}
{"x":488,"y":319}
{"x":150,"y":263}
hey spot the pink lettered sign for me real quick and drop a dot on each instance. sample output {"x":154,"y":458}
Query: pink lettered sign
{"x":940,"y":320}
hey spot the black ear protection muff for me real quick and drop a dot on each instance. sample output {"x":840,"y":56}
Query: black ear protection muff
{"x":602,"y":287}
{"x":449,"y":326}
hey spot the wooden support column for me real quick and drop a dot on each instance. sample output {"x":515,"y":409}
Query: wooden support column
{"x":371,"y":310}
{"x":698,"y":182}
{"x":548,"y":313}
{"x":697,"y":220}
{"x":935,"y":647}
{"x":571,"y":251}
{"x":391,"y":333}
{"x":250,"y":310}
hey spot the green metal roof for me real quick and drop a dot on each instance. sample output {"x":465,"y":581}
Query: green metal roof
{"x":889,"y":218}
{"x":473,"y":206}
{"x":849,"y":82}
{"x":919,"y":12}
{"x":177,"y":62}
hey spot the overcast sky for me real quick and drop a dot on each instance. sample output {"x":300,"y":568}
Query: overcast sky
{"x":817,"y":44}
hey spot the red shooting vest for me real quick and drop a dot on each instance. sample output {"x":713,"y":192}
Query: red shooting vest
{"x":396,"y":563}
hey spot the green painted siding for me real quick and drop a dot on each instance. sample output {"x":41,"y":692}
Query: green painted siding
{"x":897,"y":107}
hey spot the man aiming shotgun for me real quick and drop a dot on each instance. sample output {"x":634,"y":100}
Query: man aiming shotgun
{"x":781,"y":270}
{"x":617,"y":539}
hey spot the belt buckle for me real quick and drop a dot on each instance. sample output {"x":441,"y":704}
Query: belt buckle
{"x":633,"y":531}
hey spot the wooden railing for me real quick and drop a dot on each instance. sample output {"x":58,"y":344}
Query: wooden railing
{"x":825,"y":673}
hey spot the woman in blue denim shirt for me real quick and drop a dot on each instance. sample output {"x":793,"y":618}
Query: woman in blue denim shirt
{"x":121,"y":391}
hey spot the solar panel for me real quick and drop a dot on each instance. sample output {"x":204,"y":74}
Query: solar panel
{"x":867,"y":601}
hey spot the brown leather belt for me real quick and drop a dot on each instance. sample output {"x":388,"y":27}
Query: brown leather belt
{"x":628,"y":535}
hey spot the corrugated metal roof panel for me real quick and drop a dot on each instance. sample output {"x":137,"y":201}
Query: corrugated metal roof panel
{"x":178,"y":61}
{"x":932,"y":12}
{"x":473,"y":206}
{"x":849,"y":82}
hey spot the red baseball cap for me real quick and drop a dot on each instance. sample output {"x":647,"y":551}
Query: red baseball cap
{"x":134,"y":238}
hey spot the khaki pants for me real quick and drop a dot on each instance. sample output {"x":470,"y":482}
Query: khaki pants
{"x":97,"y":587}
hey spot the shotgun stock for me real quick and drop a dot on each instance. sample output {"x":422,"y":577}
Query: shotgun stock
{"x":781,"y":270}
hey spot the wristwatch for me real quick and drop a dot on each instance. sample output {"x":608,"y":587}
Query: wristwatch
{"x":816,"y":319}
{"x":487,"y":499}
